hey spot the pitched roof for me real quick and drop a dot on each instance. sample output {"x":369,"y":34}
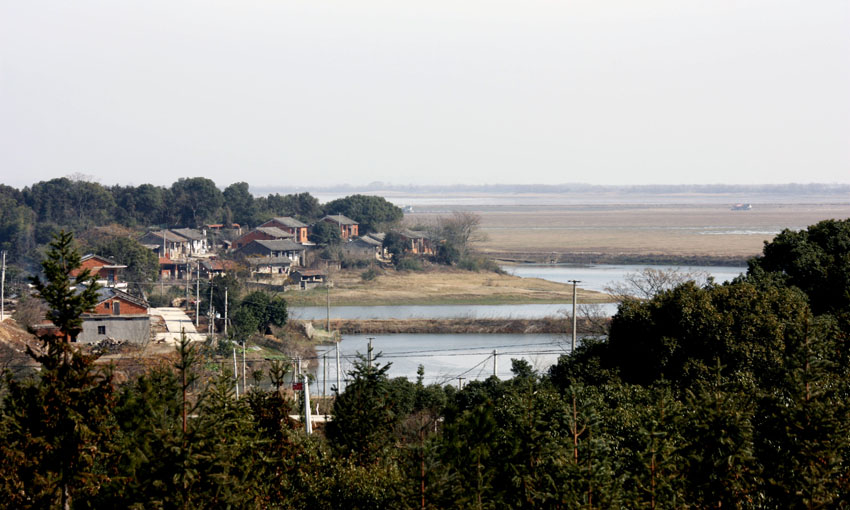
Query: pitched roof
{"x":415,"y":234}
{"x":340,"y":219}
{"x":287,"y":221}
{"x":105,"y":293}
{"x":169,"y":236}
{"x":278,"y":245}
{"x":368,"y":241}
{"x":106,"y":260}
{"x":274,"y":232}
{"x":189,"y":233}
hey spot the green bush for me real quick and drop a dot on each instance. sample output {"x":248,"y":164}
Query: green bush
{"x":368,"y":275}
{"x":409,"y":264}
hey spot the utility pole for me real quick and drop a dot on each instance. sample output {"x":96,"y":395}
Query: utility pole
{"x":244,"y":383}
{"x":225,"y":312}
{"x":325,"y":374}
{"x":198,"y":298}
{"x":328,"y":289}
{"x":460,"y":383}
{"x":3,"y":290}
{"x":308,"y":420}
{"x":235,"y":373}
{"x":495,"y":362}
{"x":573,"y":343}
{"x":338,"y":388}
{"x":211,"y":318}
{"x":370,"y":350}
{"x":161,"y":277}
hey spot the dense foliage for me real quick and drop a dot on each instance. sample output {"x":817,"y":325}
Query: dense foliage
{"x":371,"y":212}
{"x":701,"y":396}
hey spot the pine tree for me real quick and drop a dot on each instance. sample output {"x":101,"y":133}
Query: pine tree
{"x":54,"y":428}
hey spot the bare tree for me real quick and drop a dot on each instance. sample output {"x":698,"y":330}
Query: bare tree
{"x":650,"y":282}
{"x":461,"y":230}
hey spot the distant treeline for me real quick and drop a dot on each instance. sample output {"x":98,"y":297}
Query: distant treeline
{"x":29,"y":217}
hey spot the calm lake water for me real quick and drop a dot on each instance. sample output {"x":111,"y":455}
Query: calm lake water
{"x":445,"y":357}
{"x":597,"y":277}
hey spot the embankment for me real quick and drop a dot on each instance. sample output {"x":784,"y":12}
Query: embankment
{"x":462,"y":326}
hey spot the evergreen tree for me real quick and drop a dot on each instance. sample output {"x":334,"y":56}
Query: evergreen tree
{"x":55,"y":427}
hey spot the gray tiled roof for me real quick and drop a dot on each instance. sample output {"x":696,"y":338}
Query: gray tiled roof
{"x":289,"y":222}
{"x":340,"y":219}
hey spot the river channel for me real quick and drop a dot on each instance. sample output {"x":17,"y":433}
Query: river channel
{"x":595,"y":277}
{"x":470,"y":356}
{"x":444,"y":357}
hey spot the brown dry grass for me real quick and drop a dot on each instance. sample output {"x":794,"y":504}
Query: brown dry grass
{"x":440,"y":286}
{"x":634,"y":229}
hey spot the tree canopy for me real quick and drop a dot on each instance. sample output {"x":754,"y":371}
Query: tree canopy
{"x":373,"y":213}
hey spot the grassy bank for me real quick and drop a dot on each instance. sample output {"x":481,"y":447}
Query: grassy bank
{"x":439,"y":286}
{"x":550,"y":325}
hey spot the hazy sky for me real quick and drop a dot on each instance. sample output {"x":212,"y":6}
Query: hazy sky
{"x":314,"y":92}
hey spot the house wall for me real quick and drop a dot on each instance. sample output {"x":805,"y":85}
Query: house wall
{"x":136,"y":328}
{"x":300,"y":233}
{"x":124,"y":307}
{"x":345,"y":231}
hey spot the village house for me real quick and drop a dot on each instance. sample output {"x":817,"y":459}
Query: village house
{"x":215,"y":267}
{"x":117,"y":316}
{"x":285,"y":248}
{"x":176,"y":246}
{"x":196,"y":240}
{"x":417,"y":242}
{"x":269,"y":266}
{"x":368,"y":247}
{"x":348,"y":228}
{"x":220,"y":227}
{"x":261,"y":234}
{"x":107,"y":271}
{"x":291,"y":225}
{"x":308,"y":278}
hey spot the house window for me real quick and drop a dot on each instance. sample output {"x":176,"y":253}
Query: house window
{"x":106,"y":305}
{"x":116,"y":308}
{"x":101,"y":330}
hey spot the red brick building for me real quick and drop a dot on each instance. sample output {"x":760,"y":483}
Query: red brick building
{"x":291,"y":225}
{"x":261,"y":234}
{"x":107,"y":271}
{"x":348,"y":228}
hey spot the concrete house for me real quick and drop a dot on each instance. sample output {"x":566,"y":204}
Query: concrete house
{"x":285,"y":248}
{"x":366,"y":247}
{"x":309,"y":278}
{"x":117,"y":316}
{"x":196,"y":239}
{"x":176,"y":246}
{"x":348,"y":228}
{"x":291,"y":225}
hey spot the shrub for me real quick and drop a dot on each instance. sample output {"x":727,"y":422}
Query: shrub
{"x":369,"y":275}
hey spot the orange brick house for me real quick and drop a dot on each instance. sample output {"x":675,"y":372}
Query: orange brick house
{"x":348,"y":228}
{"x":107,"y":271}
